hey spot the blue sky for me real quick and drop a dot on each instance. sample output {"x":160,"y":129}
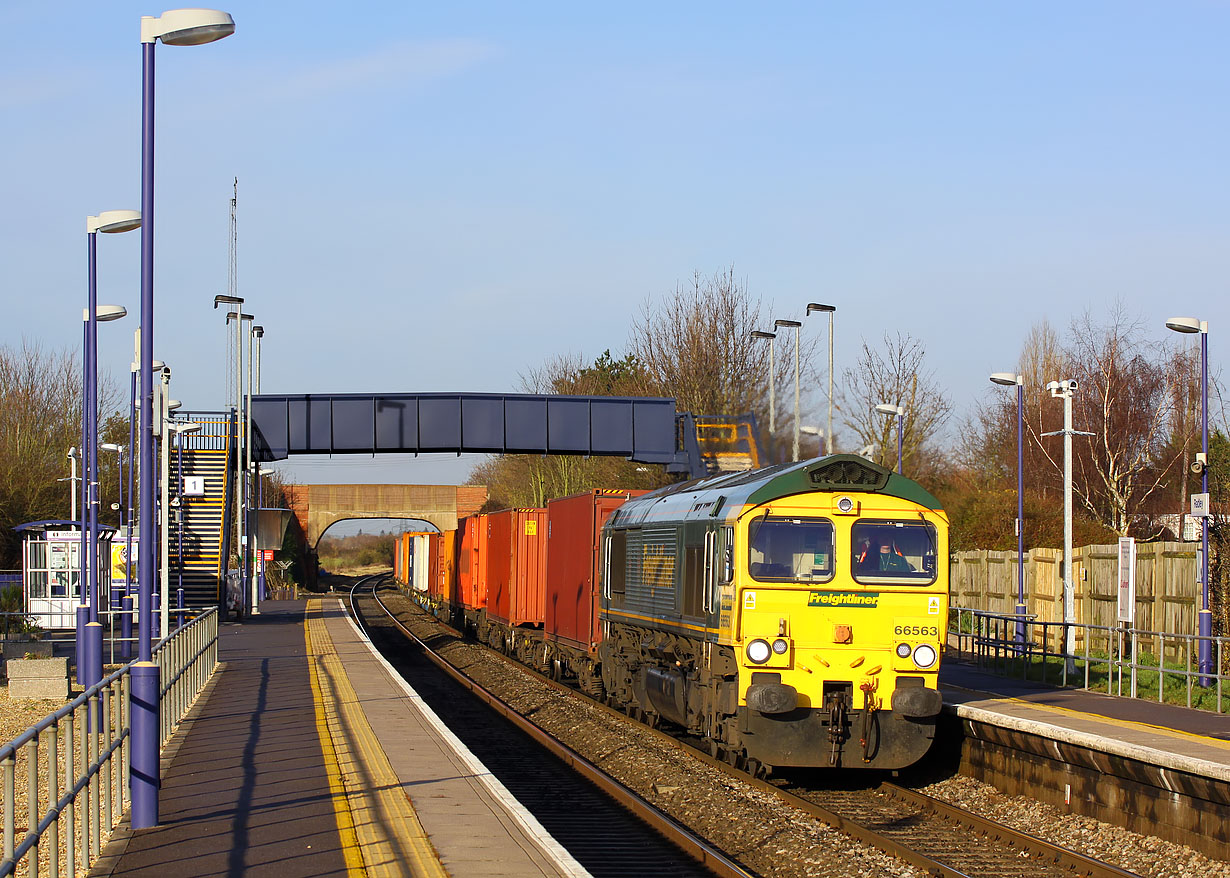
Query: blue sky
{"x":440,"y":197}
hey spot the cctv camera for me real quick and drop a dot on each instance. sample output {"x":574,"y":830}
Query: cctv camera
{"x":1052,"y":385}
{"x":1071,"y":384}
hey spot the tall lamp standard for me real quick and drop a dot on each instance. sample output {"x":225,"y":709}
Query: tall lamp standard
{"x":1008,"y":379}
{"x":897,"y":411}
{"x":797,"y":326}
{"x":1205,"y":616}
{"x":756,"y":333}
{"x":108,"y":222}
{"x":830,"y":310}
{"x":178,"y":27}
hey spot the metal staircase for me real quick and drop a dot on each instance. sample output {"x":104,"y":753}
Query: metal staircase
{"x":199,"y":479}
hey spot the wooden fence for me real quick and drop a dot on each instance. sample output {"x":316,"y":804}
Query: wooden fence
{"x":1167,"y":587}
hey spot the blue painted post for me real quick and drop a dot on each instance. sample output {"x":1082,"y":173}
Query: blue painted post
{"x":144,"y":779}
{"x":92,"y":642}
{"x":179,"y":605}
{"x":83,"y":617}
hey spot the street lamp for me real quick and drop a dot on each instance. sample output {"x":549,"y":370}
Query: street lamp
{"x":756,"y":333}
{"x":1205,"y":616}
{"x":178,"y":27}
{"x":90,"y":650}
{"x":818,"y":432}
{"x":243,"y":449}
{"x":1009,"y":379}
{"x":830,"y":310}
{"x":885,"y":408}
{"x":797,"y":326}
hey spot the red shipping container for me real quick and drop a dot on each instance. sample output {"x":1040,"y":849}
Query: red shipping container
{"x":516,"y":565}
{"x":574,"y":531}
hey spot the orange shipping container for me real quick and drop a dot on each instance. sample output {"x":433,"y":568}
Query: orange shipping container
{"x":471,"y":560}
{"x":516,"y":566}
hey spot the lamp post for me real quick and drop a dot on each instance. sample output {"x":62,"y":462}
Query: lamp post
{"x":90,"y":649}
{"x":1205,"y":616}
{"x":885,"y":408}
{"x":756,"y":333}
{"x":797,"y":326}
{"x":178,"y":27}
{"x":1064,"y":390}
{"x":818,"y":432}
{"x":830,"y":310}
{"x":1008,"y":379}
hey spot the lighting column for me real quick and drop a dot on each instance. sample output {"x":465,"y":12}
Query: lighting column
{"x":797,"y":326}
{"x":108,"y":222}
{"x":897,"y":411}
{"x":1008,"y":379}
{"x":831,"y":310}
{"x":1205,"y":616}
{"x":756,"y":333}
{"x":179,"y":27}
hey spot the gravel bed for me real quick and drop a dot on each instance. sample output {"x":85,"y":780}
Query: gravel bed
{"x":1143,"y":854}
{"x":749,"y":825}
{"x":752,"y":826}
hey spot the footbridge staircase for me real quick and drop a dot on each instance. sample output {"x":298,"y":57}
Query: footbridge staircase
{"x":200,"y":522}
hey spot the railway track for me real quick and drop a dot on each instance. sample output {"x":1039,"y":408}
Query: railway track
{"x":933,"y":836}
{"x":605,"y":826}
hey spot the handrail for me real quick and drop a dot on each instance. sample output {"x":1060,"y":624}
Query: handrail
{"x":86,"y":774}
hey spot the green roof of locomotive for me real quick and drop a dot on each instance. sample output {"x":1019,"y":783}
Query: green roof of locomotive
{"x":712,"y":496}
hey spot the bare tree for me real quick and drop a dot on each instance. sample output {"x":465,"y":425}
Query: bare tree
{"x":895,"y":375}
{"x":694,"y":344}
{"x":1127,"y":400}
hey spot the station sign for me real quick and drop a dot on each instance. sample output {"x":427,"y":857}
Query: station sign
{"x":1200,"y":505}
{"x":1127,"y":580}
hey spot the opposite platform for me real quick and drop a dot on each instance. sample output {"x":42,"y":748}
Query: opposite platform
{"x":1158,"y":769}
{"x":307,"y":756}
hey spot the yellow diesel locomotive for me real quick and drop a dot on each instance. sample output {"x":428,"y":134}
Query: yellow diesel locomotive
{"x":791,"y":616}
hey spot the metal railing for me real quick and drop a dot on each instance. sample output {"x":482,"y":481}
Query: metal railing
{"x":1156,"y":665}
{"x":76,"y":761}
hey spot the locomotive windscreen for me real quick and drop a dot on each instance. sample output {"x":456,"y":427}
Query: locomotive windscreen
{"x":790,"y":549}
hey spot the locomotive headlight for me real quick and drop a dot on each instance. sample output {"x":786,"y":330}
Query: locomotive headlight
{"x":780,"y":646}
{"x":903,"y":650}
{"x":845,"y":504}
{"x":925,"y":656}
{"x":759,"y":651}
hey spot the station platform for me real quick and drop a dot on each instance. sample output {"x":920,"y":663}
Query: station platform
{"x":1167,"y":735}
{"x":307,"y":755}
{"x":1158,"y":769}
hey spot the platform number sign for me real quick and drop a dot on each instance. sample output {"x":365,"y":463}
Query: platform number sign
{"x":1127,"y":580}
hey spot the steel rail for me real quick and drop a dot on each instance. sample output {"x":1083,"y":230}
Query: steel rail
{"x":1077,"y":863}
{"x":663,"y":823}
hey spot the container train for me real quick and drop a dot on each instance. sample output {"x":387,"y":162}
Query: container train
{"x":790,"y":616}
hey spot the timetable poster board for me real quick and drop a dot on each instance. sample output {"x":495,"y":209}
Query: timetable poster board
{"x":1127,"y":580}
{"x":123,"y":566}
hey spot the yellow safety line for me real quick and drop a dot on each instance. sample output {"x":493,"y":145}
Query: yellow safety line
{"x":1095,"y":717}
{"x":388,"y":830}
{"x":337,"y":790}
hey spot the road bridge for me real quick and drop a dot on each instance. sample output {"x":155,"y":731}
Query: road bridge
{"x":318,"y":506}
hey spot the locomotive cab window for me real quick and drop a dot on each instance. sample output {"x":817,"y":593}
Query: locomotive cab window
{"x":893,"y":551}
{"x":790,"y":549}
